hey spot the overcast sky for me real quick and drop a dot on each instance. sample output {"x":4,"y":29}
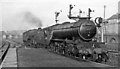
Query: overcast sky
{"x":12,"y":12}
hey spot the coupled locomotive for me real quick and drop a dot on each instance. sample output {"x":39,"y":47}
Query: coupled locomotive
{"x":73,"y":39}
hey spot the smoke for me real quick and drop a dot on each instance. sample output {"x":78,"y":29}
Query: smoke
{"x":22,"y":20}
{"x":30,"y":18}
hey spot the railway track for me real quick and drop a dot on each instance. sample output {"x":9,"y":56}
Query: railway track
{"x":3,"y":43}
{"x":3,"y":50}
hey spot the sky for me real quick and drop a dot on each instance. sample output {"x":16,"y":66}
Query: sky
{"x":28,"y":14}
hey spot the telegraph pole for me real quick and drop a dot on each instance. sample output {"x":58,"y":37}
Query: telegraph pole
{"x":103,"y":27}
{"x":104,"y":10}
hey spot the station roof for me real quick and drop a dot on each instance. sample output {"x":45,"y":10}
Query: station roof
{"x":115,"y":16}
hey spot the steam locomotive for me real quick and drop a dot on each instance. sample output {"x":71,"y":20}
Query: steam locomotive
{"x":74,"y":39}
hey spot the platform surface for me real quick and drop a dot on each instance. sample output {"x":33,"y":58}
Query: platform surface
{"x":31,"y":57}
{"x":10,"y":59}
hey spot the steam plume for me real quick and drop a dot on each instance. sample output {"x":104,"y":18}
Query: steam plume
{"x":32,"y":19}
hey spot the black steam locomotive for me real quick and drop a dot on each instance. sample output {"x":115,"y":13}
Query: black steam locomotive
{"x":73,"y":39}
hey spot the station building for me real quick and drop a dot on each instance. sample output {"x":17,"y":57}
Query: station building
{"x":111,"y":29}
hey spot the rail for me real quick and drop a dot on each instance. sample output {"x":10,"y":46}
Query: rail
{"x":3,"y":51}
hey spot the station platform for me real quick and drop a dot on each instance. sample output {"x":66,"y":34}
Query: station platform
{"x":39,"y":57}
{"x":10,"y":59}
